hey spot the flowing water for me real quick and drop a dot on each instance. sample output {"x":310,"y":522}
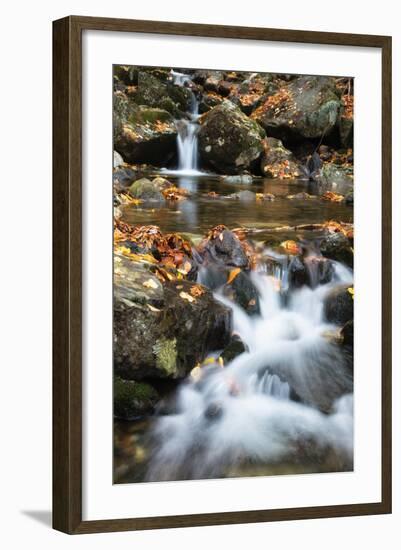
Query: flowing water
{"x":187,"y":139}
{"x":243,"y":414}
{"x":261,"y":413}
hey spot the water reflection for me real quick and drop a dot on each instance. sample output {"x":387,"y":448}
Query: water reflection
{"x":201,"y":211}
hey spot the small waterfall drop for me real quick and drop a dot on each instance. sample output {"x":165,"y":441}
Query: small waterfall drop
{"x":263,"y":407}
{"x":187,"y":138}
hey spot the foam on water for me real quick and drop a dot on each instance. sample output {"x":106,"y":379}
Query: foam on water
{"x":250,"y":410}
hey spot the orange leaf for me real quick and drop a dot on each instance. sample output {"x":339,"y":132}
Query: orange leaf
{"x":233,"y":274}
{"x":291,"y":247}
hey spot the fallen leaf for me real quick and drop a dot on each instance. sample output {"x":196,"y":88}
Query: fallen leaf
{"x":196,"y":373}
{"x":186,"y":296}
{"x":332,"y":197}
{"x":197,"y":290}
{"x":233,"y":273}
{"x":291,"y":247}
{"x":150,"y":283}
{"x":152,"y":308}
{"x":351,"y":291}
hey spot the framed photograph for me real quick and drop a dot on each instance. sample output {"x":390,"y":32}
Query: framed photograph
{"x":222,"y":275}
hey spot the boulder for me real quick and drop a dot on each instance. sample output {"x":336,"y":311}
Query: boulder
{"x":162,"y":330}
{"x":347,"y":332}
{"x":128,"y":74}
{"x":339,"y":305}
{"x":334,"y":177}
{"x":277,"y":161}
{"x":310,"y":270}
{"x":154,"y":92}
{"x":223,"y":247}
{"x":228,"y":140}
{"x":242,"y":179}
{"x":243,"y":292}
{"x":297,"y":273}
{"x":143,"y":134}
{"x":234,"y":348}
{"x":251,"y":91}
{"x":117,"y":160}
{"x":133,"y":399}
{"x":337,"y":246}
{"x":208,"y":101}
{"x":245,"y":196}
{"x":306,"y":107}
{"x":146,"y":190}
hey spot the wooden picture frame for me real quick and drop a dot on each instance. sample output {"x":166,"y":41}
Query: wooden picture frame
{"x":67,"y":274}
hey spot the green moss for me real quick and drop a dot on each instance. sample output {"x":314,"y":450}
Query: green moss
{"x":144,"y":115}
{"x":132,"y":398}
{"x":166,"y":355}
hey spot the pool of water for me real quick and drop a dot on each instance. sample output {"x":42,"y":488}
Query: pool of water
{"x":200,"y":212}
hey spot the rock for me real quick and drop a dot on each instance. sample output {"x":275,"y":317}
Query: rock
{"x":161,"y":183}
{"x":228,"y":140}
{"x":212,"y":81}
{"x":336,"y":178}
{"x":246,"y":196}
{"x":339,"y":305}
{"x":126,"y":73}
{"x":167,"y":339}
{"x":146,"y":190}
{"x":337,"y":246}
{"x":132,"y":399}
{"x":349,"y":198}
{"x":143,"y":134}
{"x":153,"y":92}
{"x":117,"y":160}
{"x":252,"y":91}
{"x":243,"y":292}
{"x":224,"y":248}
{"x":234,"y":348}
{"x":277,"y":161}
{"x":320,"y":270}
{"x":243,"y":179}
{"x":214,"y":411}
{"x":297,"y":273}
{"x":310,"y":270}
{"x":208,"y":101}
{"x":134,"y":284}
{"x":122,"y":178}
{"x":347,"y":332}
{"x":306,"y":107}
{"x":346,"y":121}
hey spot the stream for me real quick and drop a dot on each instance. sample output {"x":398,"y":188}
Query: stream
{"x":244,"y":418}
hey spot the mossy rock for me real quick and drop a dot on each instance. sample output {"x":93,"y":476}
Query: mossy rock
{"x":306,"y":107}
{"x":132,"y":399}
{"x":229,"y":141}
{"x":146,"y":190}
{"x":143,"y":134}
{"x":143,"y":115}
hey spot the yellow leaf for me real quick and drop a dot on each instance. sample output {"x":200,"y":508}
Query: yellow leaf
{"x":351,"y":291}
{"x":152,"y":308}
{"x":150,"y":283}
{"x":196,"y":374}
{"x":186,"y":296}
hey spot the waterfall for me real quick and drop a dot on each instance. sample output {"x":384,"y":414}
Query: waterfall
{"x":245,"y":411}
{"x":187,"y":128}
